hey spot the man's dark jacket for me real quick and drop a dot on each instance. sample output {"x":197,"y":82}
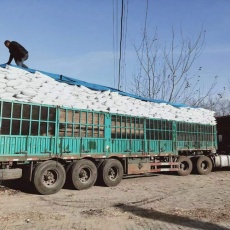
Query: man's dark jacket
{"x":17,"y":51}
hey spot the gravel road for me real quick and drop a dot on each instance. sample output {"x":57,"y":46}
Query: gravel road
{"x":158,"y":201}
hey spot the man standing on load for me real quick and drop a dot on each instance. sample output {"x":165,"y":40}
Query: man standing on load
{"x":17,"y":52}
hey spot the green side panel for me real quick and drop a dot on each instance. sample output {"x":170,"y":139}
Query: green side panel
{"x":194,"y":145}
{"x":153,"y":147}
{"x":165,"y":146}
{"x":33,"y":129}
{"x":81,"y":145}
{"x":192,"y":136}
{"x":160,"y":146}
{"x":32,"y":145}
{"x":186,"y":145}
{"x":138,"y":146}
{"x":124,"y":146}
{"x":41,"y":145}
{"x":12,"y":145}
{"x":81,"y":131}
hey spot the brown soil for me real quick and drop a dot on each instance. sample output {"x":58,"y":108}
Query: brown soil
{"x":159,"y":201}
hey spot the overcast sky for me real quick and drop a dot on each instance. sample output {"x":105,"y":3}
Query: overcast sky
{"x":76,"y":37}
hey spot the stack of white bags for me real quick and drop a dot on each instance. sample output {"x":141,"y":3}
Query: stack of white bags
{"x":20,"y":85}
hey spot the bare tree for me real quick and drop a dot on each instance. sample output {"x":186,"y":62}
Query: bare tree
{"x":220,"y":103}
{"x":165,"y":72}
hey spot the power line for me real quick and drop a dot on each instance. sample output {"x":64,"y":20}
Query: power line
{"x":115,"y":38}
{"x":125,"y":28}
{"x":114,"y":58}
{"x":121,"y":38}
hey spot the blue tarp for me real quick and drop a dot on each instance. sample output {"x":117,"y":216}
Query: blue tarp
{"x":73,"y":81}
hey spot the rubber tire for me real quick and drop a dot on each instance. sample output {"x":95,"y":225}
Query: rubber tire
{"x":104,"y":171}
{"x":189,"y":164}
{"x":75,"y":171}
{"x":199,"y":168}
{"x":41,"y":170}
{"x":10,"y":174}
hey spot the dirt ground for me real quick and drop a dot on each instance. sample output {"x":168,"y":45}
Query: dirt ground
{"x":159,"y":201}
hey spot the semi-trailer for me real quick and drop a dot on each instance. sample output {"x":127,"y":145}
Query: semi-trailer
{"x":49,"y":145}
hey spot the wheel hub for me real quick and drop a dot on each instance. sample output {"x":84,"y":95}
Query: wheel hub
{"x":184,"y":165}
{"x":113,"y":172}
{"x":84,"y":175}
{"x":204,"y":165}
{"x":50,"y":178}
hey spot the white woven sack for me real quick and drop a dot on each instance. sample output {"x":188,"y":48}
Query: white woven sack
{"x":47,"y":102}
{"x":21,"y":96}
{"x":63,"y":96}
{"x":41,"y":96}
{"x":50,"y":81}
{"x":69,"y":88}
{"x":72,"y":99}
{"x":25,"y":78}
{"x":115,"y":95}
{"x":2,"y":71}
{"x":21,"y":87}
{"x":86,"y":89}
{"x":23,"y":82}
{"x":39,"y":74}
{"x":110,"y":103}
{"x":4,"y":95}
{"x":59,"y":101}
{"x":112,"y":110}
{"x":8,"y":98}
{"x":68,"y":104}
{"x":102,"y":101}
{"x":54,"y":88}
{"x":76,"y":89}
{"x":54,"y":103}
{"x":22,"y":100}
{"x":42,"y":80}
{"x":3,"y":80}
{"x":12,"y":83}
{"x":50,"y":98}
{"x":16,"y":70}
{"x":75,"y":92}
{"x":83,"y":95}
{"x":106,"y":93}
{"x":35,"y":101}
{"x":34,"y":79}
{"x":35,"y":85}
{"x":77,"y":105}
{"x":29,"y":92}
{"x":46,"y":90}
{"x":62,"y":84}
{"x":2,"y":90}
{"x":2,"y":85}
{"x":10,"y":90}
{"x":11,"y":77}
{"x":102,"y":108}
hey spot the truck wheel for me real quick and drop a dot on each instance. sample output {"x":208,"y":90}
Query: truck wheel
{"x":111,"y":172}
{"x":83,"y":174}
{"x":204,"y":165}
{"x":49,"y":177}
{"x":185,"y":167}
